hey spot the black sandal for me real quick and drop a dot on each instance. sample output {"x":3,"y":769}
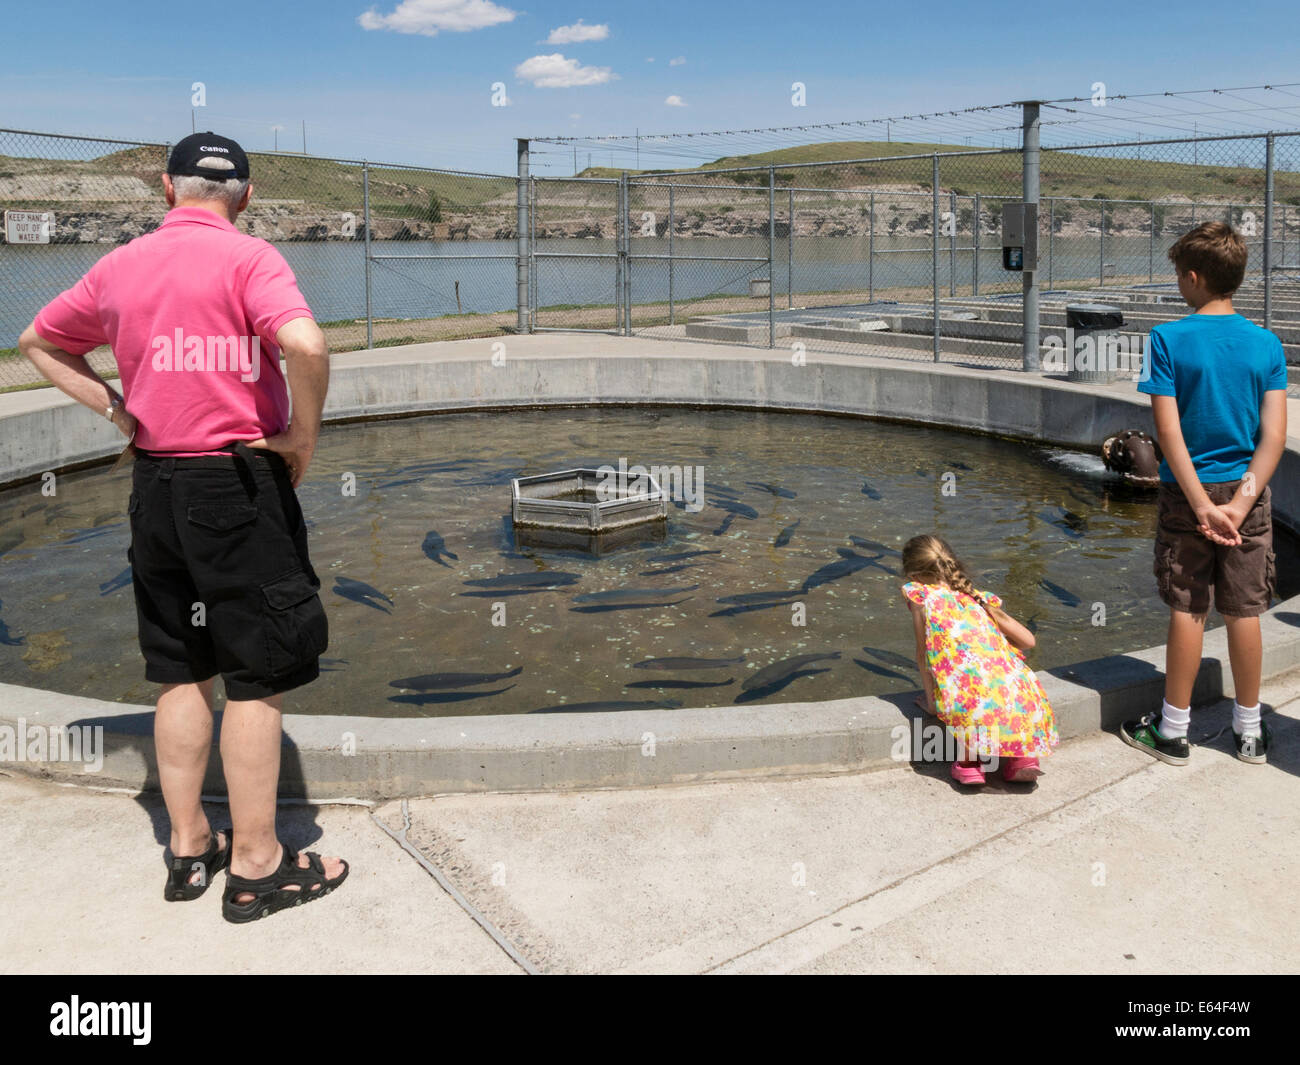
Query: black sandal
{"x":209,"y":863}
{"x":272,"y":893}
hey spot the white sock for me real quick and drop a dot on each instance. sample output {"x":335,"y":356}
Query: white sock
{"x":1246,"y":720}
{"x":1174,"y":722}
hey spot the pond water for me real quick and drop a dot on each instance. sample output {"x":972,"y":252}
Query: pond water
{"x":436,"y":609}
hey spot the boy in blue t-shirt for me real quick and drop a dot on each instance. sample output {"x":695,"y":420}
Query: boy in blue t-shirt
{"x":1218,"y":393}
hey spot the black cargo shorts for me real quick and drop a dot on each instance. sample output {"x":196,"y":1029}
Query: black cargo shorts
{"x":223,"y":583}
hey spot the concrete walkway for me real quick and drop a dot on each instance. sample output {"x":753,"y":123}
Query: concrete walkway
{"x":1114,"y":863}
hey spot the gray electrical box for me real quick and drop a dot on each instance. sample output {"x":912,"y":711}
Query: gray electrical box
{"x":1020,"y":236}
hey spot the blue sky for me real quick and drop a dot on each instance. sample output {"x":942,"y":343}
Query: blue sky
{"x":126,"y":69}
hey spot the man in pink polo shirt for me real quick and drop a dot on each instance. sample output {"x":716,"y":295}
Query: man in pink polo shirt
{"x":198,"y":316}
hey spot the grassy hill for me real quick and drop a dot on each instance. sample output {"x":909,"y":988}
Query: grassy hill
{"x":1087,"y":175}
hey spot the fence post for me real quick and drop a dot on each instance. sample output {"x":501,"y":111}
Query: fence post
{"x":934,"y":251}
{"x":523,"y":323}
{"x":771,"y":261}
{"x":365,"y":215}
{"x":952,"y":245}
{"x":975,"y":257}
{"x":671,"y":226}
{"x":1151,"y":247}
{"x":1029,"y":279}
{"x":1268,"y":232}
{"x":532,"y":247}
{"x":1101,"y":248}
{"x":627,"y":258}
{"x":871,"y":247}
{"x":1051,"y":237}
{"x":789,"y":256}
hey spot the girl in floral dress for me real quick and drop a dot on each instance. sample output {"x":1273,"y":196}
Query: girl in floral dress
{"x":970,"y":655}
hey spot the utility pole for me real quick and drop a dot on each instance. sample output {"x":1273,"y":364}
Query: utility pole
{"x":304,"y":136}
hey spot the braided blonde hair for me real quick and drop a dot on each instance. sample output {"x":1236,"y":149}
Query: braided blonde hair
{"x":930,"y":560}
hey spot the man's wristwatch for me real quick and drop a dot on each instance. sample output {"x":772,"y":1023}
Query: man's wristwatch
{"x":113,"y":408}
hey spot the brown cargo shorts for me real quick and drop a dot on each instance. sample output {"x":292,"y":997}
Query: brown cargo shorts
{"x":1188,"y":566}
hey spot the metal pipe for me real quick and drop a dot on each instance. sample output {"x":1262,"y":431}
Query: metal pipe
{"x":365,"y":212}
{"x":871,"y":248}
{"x":523,"y":315}
{"x":618,"y":256}
{"x":789,"y":256}
{"x":1029,"y":354}
{"x":1151,"y":247}
{"x":934,"y":252}
{"x":1268,"y":232}
{"x":975,"y":260}
{"x":1101,"y":248}
{"x":952,"y":245}
{"x":1051,"y":237}
{"x":771,"y":248}
{"x":627,"y":258}
{"x":671,"y":227}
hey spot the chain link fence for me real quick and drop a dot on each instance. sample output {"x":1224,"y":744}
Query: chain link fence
{"x":897,"y":254}
{"x":384,"y":254}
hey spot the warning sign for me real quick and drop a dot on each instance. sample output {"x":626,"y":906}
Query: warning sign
{"x":29,"y":227}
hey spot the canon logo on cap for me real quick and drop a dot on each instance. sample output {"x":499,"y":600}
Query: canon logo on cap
{"x":213,"y":148}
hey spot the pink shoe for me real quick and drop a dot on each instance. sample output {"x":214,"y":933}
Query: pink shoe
{"x":968,"y":773}
{"x":1020,"y":770}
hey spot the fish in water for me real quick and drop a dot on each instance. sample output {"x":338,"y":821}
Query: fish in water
{"x":922,"y":473}
{"x":361,"y":592}
{"x":1065,"y":596}
{"x":850,"y":562}
{"x":783,"y":537}
{"x":1032,"y":624}
{"x":670,"y":569}
{"x":746,"y":598}
{"x":892,"y":658}
{"x":77,"y":536}
{"x":669,"y":682}
{"x":615,"y":704}
{"x":492,"y":478}
{"x":434,"y":547}
{"x":7,"y":638}
{"x":1062,"y":523}
{"x":872,"y":545}
{"x":773,"y":678}
{"x":776,"y":490}
{"x":687,"y":663}
{"x":605,"y":608}
{"x":332,"y":665}
{"x":957,"y":465}
{"x":731,"y":506}
{"x":427,"y":682}
{"x":726,"y":524}
{"x":521,"y":583}
{"x":748,"y":608}
{"x":1075,"y":495}
{"x":631,"y":595}
{"x":681,"y":555}
{"x":120,"y":581}
{"x":723,"y":490}
{"x":444,"y":697}
{"x":9,"y":541}
{"x":881,"y":670}
{"x":869,"y":491}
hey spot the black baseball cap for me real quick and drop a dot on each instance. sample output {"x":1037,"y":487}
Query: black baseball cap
{"x":192,"y":150}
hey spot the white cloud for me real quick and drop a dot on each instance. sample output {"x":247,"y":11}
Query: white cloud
{"x":677,"y":62}
{"x":428,"y":17}
{"x":556,"y":72}
{"x":577,"y":33}
{"x":650,"y":59}
{"x":675,"y":101}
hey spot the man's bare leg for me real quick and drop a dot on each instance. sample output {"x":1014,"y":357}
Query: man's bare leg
{"x":1183,"y":656}
{"x":1246,"y":654}
{"x":183,"y":739}
{"x":250,"y":753}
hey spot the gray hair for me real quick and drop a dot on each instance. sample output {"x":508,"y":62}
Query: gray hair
{"x":191,"y":187}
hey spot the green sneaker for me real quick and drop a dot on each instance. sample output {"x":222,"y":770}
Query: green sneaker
{"x":1144,"y":735}
{"x":1254,"y":749}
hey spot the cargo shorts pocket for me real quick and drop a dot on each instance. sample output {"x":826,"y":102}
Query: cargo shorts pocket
{"x":295,"y":627}
{"x":221,"y":517}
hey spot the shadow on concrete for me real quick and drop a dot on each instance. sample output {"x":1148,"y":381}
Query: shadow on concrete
{"x":131,"y":736}
{"x":1287,"y":617}
{"x":1129,"y":687}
